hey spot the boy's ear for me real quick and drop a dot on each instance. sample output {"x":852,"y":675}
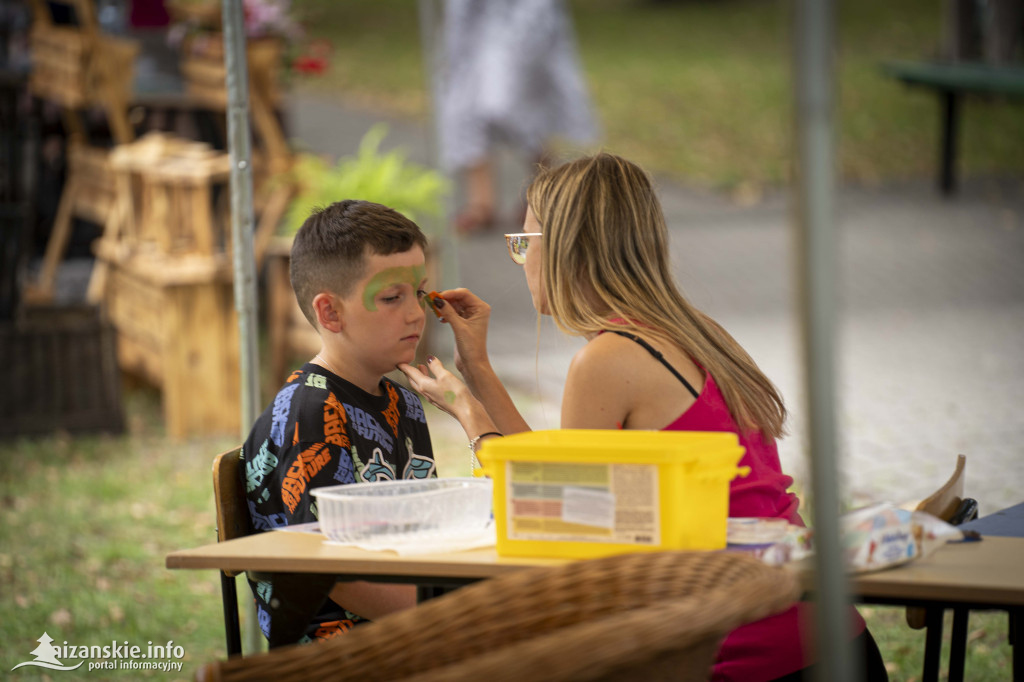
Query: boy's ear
{"x":328,"y":311}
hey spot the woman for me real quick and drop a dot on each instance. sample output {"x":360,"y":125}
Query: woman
{"x":595,"y":254}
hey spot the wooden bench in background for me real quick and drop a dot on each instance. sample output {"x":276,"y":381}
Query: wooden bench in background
{"x":951,"y":81}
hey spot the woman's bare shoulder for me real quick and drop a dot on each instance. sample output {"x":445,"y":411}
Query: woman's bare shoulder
{"x":599,"y":387}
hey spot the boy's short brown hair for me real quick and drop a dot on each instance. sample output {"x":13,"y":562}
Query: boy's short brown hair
{"x":329,"y":250}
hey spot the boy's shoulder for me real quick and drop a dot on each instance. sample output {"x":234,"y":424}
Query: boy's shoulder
{"x":303,"y":396}
{"x":307,"y":390}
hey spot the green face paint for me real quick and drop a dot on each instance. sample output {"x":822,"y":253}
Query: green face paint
{"x":449,"y":397}
{"x":406,"y":274}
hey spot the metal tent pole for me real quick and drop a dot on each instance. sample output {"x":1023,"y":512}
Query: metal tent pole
{"x":813,"y":70}
{"x":239,"y":148}
{"x":447,"y":249}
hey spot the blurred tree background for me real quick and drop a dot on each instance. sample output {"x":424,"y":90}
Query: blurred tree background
{"x":700,"y":90}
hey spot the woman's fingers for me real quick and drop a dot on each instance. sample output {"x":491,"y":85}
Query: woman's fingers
{"x":415,"y":375}
{"x":424,"y":377}
{"x":433,"y":382}
{"x":436,"y":367}
{"x":465,"y":302}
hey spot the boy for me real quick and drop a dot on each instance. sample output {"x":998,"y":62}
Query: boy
{"x":357,"y":269}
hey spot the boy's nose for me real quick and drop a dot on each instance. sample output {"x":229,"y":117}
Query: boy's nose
{"x":416,"y":311}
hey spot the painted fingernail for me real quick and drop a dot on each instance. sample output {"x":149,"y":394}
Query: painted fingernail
{"x":438,"y":302}
{"x":431,"y":358}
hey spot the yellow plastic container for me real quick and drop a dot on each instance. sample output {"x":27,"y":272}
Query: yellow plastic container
{"x":579,"y":494}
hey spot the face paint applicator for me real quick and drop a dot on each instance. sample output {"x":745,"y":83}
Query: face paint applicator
{"x":435,"y":303}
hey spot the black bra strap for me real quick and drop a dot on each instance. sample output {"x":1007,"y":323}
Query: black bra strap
{"x":659,"y":357}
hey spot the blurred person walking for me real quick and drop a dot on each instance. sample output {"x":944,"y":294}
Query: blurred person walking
{"x":510,"y":75}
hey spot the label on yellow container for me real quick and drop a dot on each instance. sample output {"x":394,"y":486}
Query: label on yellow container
{"x":560,"y":501}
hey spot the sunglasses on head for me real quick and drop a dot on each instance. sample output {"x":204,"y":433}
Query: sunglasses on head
{"x":518,"y":242}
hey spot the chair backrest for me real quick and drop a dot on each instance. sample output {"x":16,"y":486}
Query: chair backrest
{"x":944,"y":502}
{"x":77,"y":65}
{"x":229,"y":497}
{"x":632,"y":616}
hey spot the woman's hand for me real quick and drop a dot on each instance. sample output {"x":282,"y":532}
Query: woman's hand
{"x":447,"y":393}
{"x":468,"y":315}
{"x":443,"y":389}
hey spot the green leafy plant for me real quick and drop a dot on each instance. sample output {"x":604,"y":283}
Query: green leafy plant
{"x":384,"y":178}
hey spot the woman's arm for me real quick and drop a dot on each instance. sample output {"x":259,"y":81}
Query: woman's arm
{"x":494,"y":398}
{"x":469,"y":316}
{"x":373,"y":600}
{"x":446,"y":392}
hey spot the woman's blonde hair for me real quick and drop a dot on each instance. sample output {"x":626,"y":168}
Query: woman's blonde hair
{"x":606,"y":267}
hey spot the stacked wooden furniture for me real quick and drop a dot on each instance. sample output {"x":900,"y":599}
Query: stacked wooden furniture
{"x":165,"y":279}
{"x":204,"y":71}
{"x":205,"y":74}
{"x":78,"y":68}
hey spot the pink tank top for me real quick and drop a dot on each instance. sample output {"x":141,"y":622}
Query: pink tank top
{"x":768,"y":648}
{"x":771,"y":647}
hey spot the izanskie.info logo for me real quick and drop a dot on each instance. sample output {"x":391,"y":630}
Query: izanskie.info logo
{"x":113,"y":656}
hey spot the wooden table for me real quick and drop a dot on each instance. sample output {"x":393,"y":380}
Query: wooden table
{"x":986,"y":574}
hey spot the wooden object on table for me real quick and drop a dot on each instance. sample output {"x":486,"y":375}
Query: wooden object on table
{"x":164,"y":275}
{"x":944,"y":502}
{"x":559,"y":623}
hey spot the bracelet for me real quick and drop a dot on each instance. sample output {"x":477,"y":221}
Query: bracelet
{"x":474,"y":441}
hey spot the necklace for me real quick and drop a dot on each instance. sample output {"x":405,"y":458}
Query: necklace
{"x":327,"y":364}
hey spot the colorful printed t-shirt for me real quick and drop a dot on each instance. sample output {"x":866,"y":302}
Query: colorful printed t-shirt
{"x":321,"y":430}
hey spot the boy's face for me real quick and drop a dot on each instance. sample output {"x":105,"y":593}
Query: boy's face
{"x":383,"y":314}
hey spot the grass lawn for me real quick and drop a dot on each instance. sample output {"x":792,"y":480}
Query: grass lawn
{"x":86,"y":523}
{"x":701,"y":90}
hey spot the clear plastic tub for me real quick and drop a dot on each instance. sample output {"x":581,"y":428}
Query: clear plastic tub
{"x":404,"y":511}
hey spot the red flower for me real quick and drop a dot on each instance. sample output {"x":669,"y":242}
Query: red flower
{"x":315,"y":60}
{"x":313,"y":66}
